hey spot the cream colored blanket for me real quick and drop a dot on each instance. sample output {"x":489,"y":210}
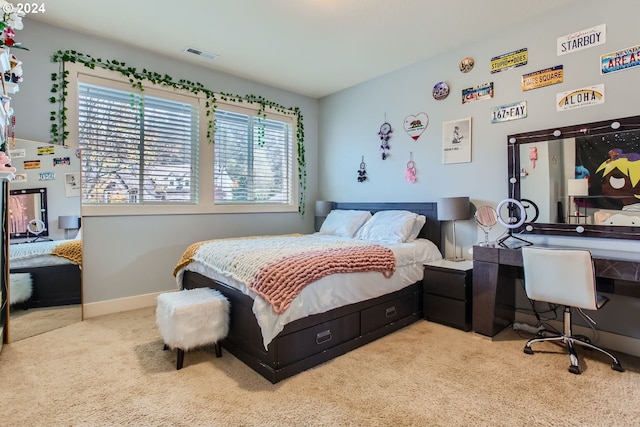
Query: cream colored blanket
{"x":279,"y":267}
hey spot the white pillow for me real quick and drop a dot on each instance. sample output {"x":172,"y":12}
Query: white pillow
{"x":344,"y":223}
{"x":418,"y":223}
{"x":392,"y":227}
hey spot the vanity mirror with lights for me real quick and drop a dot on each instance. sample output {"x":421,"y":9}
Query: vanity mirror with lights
{"x":584,"y":179}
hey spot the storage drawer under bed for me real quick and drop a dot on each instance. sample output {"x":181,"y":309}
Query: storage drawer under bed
{"x":307,"y":342}
{"x":388,"y":312}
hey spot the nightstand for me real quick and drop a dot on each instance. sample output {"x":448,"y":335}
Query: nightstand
{"x":448,"y":293}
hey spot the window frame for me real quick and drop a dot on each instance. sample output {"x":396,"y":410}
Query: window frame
{"x":206,"y":204}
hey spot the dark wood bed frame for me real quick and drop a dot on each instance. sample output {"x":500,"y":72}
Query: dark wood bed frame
{"x":53,"y":285}
{"x":315,"y":339}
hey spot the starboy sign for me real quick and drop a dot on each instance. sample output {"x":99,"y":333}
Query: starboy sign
{"x":577,"y":98}
{"x":621,"y":60}
{"x":582,"y":39}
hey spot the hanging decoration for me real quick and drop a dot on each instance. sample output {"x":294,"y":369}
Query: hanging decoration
{"x":385,"y":134}
{"x":466,"y":64}
{"x":533,"y":156}
{"x":440,"y":91}
{"x":362,"y":172}
{"x":410,"y":174}
{"x":415,"y":125}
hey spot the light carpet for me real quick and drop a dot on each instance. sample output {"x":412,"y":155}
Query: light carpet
{"x":111,"y":371}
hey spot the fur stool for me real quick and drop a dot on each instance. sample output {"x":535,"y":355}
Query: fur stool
{"x":192,"y":318}
{"x":20,"y":288}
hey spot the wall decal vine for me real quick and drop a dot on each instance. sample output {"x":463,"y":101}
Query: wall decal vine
{"x":137,"y":77}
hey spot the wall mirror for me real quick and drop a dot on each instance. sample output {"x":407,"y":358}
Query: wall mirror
{"x":583,"y":179}
{"x":51,"y":285}
{"x":28,"y":213}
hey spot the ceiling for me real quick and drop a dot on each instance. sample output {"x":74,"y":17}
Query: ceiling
{"x":310,"y":47}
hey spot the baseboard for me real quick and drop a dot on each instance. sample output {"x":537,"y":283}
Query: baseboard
{"x":101,"y":308}
{"x":608,"y":340}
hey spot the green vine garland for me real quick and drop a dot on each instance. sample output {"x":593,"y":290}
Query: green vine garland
{"x":59,"y":94}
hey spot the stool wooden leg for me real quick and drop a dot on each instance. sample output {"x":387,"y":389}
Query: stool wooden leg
{"x":165,"y":347}
{"x":218,"y":348}
{"x":180,"y":359}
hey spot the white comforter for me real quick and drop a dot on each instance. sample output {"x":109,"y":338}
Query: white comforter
{"x":332,"y":291}
{"x":36,"y":254}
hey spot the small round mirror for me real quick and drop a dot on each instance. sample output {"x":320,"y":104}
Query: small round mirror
{"x":486,"y":217}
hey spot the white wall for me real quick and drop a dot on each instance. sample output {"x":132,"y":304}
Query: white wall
{"x":350,"y":119}
{"x":128,"y":256}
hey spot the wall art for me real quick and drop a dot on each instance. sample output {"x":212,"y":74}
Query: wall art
{"x":362,"y":172}
{"x":506,"y":61}
{"x":477,"y":93}
{"x":385,"y":134}
{"x":466,"y":64}
{"x":456,"y":141}
{"x":577,"y":98}
{"x":504,"y":113}
{"x":416,"y":125}
{"x":620,"y":60}
{"x":440,"y":91}
{"x":582,"y":39}
{"x":541,"y":78}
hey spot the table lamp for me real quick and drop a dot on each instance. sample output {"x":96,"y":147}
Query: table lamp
{"x":453,"y":209}
{"x":68,"y":222}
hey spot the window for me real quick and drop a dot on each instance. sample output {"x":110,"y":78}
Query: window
{"x":137,"y":148}
{"x":148,"y":152}
{"x":253,"y":158}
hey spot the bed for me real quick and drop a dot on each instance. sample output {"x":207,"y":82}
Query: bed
{"x":55,"y":269}
{"x":314,"y":328}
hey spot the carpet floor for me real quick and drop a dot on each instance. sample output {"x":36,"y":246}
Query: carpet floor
{"x":35,"y":321}
{"x":111,"y":371}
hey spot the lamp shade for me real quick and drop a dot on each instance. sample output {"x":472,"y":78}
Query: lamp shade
{"x":453,"y":208}
{"x":323,"y":208}
{"x":68,"y":222}
{"x":578,"y":187}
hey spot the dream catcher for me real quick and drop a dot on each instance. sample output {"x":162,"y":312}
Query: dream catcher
{"x":410,"y":174}
{"x":362,"y":172}
{"x":385,"y":134}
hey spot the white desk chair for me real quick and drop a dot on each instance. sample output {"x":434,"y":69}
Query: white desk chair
{"x":564,"y":277}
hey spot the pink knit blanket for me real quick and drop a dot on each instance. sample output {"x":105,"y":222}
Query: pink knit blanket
{"x":281,"y":281}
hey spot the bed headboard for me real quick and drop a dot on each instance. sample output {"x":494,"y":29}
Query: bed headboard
{"x":431,"y":229}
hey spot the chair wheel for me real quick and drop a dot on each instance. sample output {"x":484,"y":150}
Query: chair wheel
{"x":527,"y":350}
{"x":574,"y":369}
{"x":617,"y":367}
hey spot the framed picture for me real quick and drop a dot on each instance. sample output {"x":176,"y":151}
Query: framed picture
{"x":456,"y":141}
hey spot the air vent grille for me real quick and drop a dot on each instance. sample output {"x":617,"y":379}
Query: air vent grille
{"x":198,"y":52}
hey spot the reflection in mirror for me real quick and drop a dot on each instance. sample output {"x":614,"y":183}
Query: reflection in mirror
{"x":486,"y":217}
{"x":583,"y":175}
{"x":28,"y":213}
{"x":51,"y":284}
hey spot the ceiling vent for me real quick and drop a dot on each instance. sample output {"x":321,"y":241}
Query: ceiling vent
{"x":198,"y":52}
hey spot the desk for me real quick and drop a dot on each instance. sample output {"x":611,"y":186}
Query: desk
{"x":495,"y":270}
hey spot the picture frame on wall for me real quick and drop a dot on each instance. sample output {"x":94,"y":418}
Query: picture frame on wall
{"x":456,"y":141}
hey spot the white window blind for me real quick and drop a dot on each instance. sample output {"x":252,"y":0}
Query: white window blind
{"x":137,"y":148}
{"x":253,"y":159}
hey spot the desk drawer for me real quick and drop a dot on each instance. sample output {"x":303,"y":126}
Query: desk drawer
{"x":301,"y":344}
{"x":388,"y":312}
